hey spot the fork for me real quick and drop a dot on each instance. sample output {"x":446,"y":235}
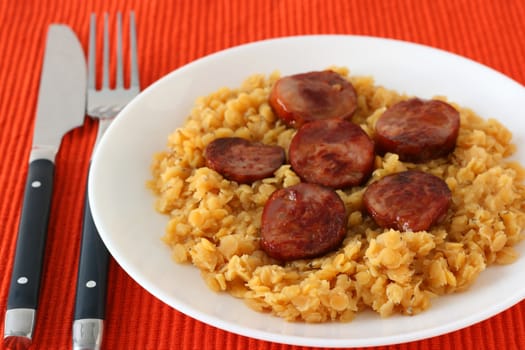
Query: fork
{"x":104,"y":105}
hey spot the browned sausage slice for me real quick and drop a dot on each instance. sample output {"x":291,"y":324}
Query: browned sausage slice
{"x":301,"y":98}
{"x":410,"y":200}
{"x":302,"y":221}
{"x":243,"y":161}
{"x":332,"y":152}
{"x":418,"y":130}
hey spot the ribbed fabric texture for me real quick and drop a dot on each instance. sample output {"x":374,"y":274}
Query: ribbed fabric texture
{"x":172,"y":33}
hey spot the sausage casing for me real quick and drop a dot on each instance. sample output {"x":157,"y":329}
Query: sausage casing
{"x":418,"y":130}
{"x":332,"y":152}
{"x":302,"y":221}
{"x":241,"y":160}
{"x":409,"y":200}
{"x":301,"y":98}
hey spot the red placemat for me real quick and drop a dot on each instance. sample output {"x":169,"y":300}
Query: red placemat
{"x":173,"y":33}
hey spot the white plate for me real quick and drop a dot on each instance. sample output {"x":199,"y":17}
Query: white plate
{"x":123,"y":207}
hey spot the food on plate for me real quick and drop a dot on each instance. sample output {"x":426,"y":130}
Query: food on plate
{"x":332,"y":152}
{"x":302,"y":221}
{"x":215,"y":223}
{"x":301,"y":98}
{"x":240,"y":160}
{"x":418,"y":130}
{"x":408,"y":200}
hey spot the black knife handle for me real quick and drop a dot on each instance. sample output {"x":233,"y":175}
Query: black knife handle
{"x":90,"y":300}
{"x":32,"y":232}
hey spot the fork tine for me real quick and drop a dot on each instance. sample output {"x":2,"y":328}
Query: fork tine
{"x":91,"y":57}
{"x":120,"y":72}
{"x":106,"y":102}
{"x":105,"y":58}
{"x":134,"y":80}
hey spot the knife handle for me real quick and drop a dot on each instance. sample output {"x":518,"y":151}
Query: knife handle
{"x":90,"y":300}
{"x":30,"y":245}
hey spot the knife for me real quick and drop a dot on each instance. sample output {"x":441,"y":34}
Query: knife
{"x":60,"y":108}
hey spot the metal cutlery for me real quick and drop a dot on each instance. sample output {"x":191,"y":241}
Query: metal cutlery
{"x":60,"y":108}
{"x":104,"y":105}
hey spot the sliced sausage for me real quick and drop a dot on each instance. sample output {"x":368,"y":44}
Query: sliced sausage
{"x":243,"y":161}
{"x":302,"y":221}
{"x":410,"y":200}
{"x":418,"y":130}
{"x":332,"y":152}
{"x":305,"y":97}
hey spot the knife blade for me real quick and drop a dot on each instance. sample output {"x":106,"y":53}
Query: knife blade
{"x":60,"y":108}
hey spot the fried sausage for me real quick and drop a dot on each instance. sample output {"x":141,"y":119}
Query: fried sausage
{"x":302,"y":221}
{"x":305,"y":97}
{"x":418,"y":130}
{"x":243,"y":161}
{"x":332,"y":152}
{"x":409,"y":200}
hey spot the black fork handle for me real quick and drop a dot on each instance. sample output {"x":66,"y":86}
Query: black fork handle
{"x":90,"y":300}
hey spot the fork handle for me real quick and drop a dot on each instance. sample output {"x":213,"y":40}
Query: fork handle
{"x":90,"y":300}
